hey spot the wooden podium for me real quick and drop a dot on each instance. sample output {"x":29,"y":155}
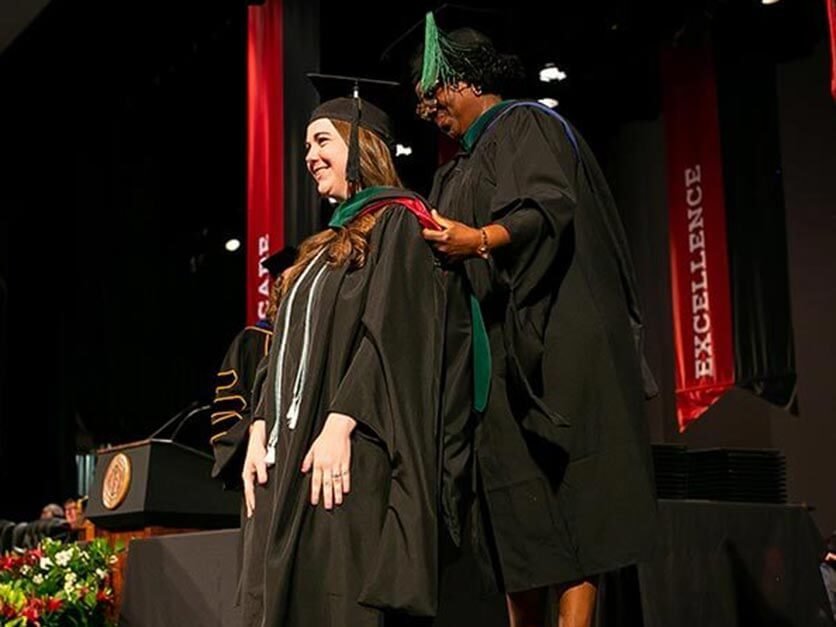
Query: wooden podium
{"x":152,"y":488}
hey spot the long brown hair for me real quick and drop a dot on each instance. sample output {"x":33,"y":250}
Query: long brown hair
{"x":348,"y":244}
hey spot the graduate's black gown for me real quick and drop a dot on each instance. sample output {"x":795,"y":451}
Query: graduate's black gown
{"x":368,"y":343}
{"x":563,"y":466}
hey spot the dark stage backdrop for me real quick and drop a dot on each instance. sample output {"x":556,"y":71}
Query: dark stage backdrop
{"x":4,"y":330}
{"x":302,"y":55}
{"x":122,"y":170}
{"x":764,"y":348}
{"x":122,"y":175}
{"x":807,"y":118}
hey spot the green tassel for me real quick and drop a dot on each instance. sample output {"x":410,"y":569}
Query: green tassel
{"x":438,"y":51}
{"x":432,"y":53}
{"x":444,"y":60}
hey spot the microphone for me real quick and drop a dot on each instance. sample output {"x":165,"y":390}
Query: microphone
{"x":185,"y":418}
{"x":183,"y":415}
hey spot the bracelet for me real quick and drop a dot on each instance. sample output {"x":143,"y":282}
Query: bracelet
{"x":483,"y":250}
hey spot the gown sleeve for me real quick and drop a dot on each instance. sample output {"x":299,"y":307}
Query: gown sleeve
{"x":535,"y":198}
{"x":232,"y":404}
{"x":391,"y":387}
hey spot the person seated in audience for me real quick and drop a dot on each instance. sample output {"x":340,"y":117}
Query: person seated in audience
{"x":52,"y":510}
{"x":73,"y":514}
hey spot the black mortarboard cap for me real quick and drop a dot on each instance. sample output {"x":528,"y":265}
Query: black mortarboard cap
{"x":280,"y":261}
{"x":346,"y":98}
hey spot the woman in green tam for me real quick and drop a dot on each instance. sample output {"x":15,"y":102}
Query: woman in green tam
{"x":562,"y":465}
{"x":341,"y":466}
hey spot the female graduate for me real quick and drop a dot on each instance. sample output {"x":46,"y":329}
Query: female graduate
{"x":340,"y":471}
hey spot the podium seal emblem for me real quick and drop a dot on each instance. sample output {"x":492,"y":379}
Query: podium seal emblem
{"x":117,"y":480}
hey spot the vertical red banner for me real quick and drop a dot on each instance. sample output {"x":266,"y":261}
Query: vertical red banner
{"x":831,"y":20}
{"x":265,"y":149}
{"x":704,"y":352}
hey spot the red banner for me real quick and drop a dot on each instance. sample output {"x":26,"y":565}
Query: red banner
{"x":265,"y":148}
{"x":697,"y":233}
{"x":831,"y":19}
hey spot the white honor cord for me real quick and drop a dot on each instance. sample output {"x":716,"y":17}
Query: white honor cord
{"x":270,"y":458}
{"x":301,"y":374}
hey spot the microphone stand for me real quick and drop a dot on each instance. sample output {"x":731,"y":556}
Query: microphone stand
{"x":185,"y":419}
{"x":178,"y":416}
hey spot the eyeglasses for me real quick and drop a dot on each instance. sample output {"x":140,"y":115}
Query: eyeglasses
{"x":426,"y":108}
{"x":428,"y":103}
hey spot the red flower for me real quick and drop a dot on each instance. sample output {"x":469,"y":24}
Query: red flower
{"x":10,"y":562}
{"x":54,"y":605}
{"x":30,"y":559}
{"x":32,"y":611}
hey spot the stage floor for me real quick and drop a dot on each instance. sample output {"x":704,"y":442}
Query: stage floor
{"x":717,"y":564}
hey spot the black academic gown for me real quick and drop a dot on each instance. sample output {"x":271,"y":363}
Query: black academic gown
{"x":375,"y":342}
{"x":563,"y":466}
{"x":232,"y":404}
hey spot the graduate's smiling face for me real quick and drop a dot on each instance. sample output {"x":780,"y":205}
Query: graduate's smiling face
{"x":326,"y":158}
{"x":453,"y":108}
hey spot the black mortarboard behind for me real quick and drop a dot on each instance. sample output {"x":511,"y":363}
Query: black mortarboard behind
{"x":279,"y":261}
{"x":344,"y":101}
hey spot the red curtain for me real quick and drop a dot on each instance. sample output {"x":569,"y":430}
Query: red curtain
{"x":701,"y":299}
{"x":265,"y":144}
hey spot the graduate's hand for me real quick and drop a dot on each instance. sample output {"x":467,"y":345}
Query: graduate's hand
{"x":455,"y":240}
{"x":254,"y":467}
{"x":330,"y":459}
